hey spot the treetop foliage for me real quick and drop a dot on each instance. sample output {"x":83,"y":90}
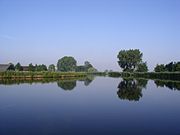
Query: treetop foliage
{"x":130,"y":59}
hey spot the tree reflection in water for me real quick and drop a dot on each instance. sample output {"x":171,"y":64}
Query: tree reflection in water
{"x":130,"y":89}
{"x":88,"y":80}
{"x":71,"y":84}
{"x":67,"y":84}
{"x":173,"y":85}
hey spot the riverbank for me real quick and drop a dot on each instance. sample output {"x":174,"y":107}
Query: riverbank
{"x":39,"y":75}
{"x":26,"y":75}
{"x":148,"y":75}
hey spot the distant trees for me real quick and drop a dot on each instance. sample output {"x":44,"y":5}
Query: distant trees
{"x":171,"y":67}
{"x":31,"y":67}
{"x":51,"y":68}
{"x":87,"y":67}
{"x":11,"y":67}
{"x":42,"y":67}
{"x":131,"y":60}
{"x":142,"y":67}
{"x":18,"y":67}
{"x":92,"y":70}
{"x":80,"y":68}
{"x":160,"y":68}
{"x":66,"y":64}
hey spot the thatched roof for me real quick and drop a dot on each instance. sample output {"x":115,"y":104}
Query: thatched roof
{"x":4,"y":67}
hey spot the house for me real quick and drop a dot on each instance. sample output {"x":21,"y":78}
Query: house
{"x":6,"y":67}
{"x":25,"y":68}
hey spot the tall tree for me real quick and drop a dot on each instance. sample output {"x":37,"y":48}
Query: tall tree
{"x":129,"y":59}
{"x":66,"y":64}
{"x":51,"y":68}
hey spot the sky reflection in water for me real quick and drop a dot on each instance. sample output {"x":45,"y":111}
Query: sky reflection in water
{"x":90,"y":106}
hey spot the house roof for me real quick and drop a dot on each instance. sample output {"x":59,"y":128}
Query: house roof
{"x":4,"y":67}
{"x":25,"y":68}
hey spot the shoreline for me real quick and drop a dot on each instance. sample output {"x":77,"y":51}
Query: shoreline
{"x":175,"y":76}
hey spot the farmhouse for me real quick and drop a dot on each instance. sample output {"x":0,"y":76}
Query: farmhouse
{"x":25,"y":68}
{"x":6,"y":67}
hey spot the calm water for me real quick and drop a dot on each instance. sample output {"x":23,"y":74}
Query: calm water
{"x":111,"y":106}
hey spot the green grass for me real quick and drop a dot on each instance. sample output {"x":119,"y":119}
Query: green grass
{"x":12,"y":74}
{"x":148,"y":75}
{"x":46,"y":74}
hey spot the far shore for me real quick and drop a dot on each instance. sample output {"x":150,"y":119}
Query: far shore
{"x":19,"y":75}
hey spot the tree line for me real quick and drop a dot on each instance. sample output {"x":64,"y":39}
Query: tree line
{"x":131,"y":61}
{"x":65,"y":64}
{"x":128,"y":60}
{"x":171,"y":67}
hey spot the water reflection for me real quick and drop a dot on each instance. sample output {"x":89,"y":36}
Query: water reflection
{"x":65,"y":84}
{"x":27,"y":80}
{"x":71,"y":84}
{"x":173,"y":85}
{"x":131,"y":89}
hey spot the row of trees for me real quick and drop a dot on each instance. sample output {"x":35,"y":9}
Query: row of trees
{"x":65,"y":64}
{"x":171,"y":67}
{"x":131,"y":60}
{"x":31,"y":67}
{"x":69,"y":64}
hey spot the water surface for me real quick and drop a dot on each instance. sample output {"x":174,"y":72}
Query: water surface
{"x":86,"y":106}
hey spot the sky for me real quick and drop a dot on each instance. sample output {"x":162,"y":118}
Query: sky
{"x":43,"y":31}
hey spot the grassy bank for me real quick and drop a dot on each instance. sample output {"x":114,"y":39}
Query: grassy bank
{"x":148,"y":75}
{"x":57,"y":75}
{"x":7,"y":81}
{"x":25,"y":75}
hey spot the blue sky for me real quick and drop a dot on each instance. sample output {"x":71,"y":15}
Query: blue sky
{"x":42,"y":31}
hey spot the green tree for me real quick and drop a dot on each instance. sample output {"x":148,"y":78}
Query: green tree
{"x":170,"y":67}
{"x":80,"y":69}
{"x":129,"y":59}
{"x":40,"y":67}
{"x":18,"y":67}
{"x":92,"y":70}
{"x":66,"y":64}
{"x":160,"y":68}
{"x":31,"y":67}
{"x":11,"y":67}
{"x":177,"y":67}
{"x":142,"y":67}
{"x":87,"y":65}
{"x":51,"y":68}
{"x":43,"y":67}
